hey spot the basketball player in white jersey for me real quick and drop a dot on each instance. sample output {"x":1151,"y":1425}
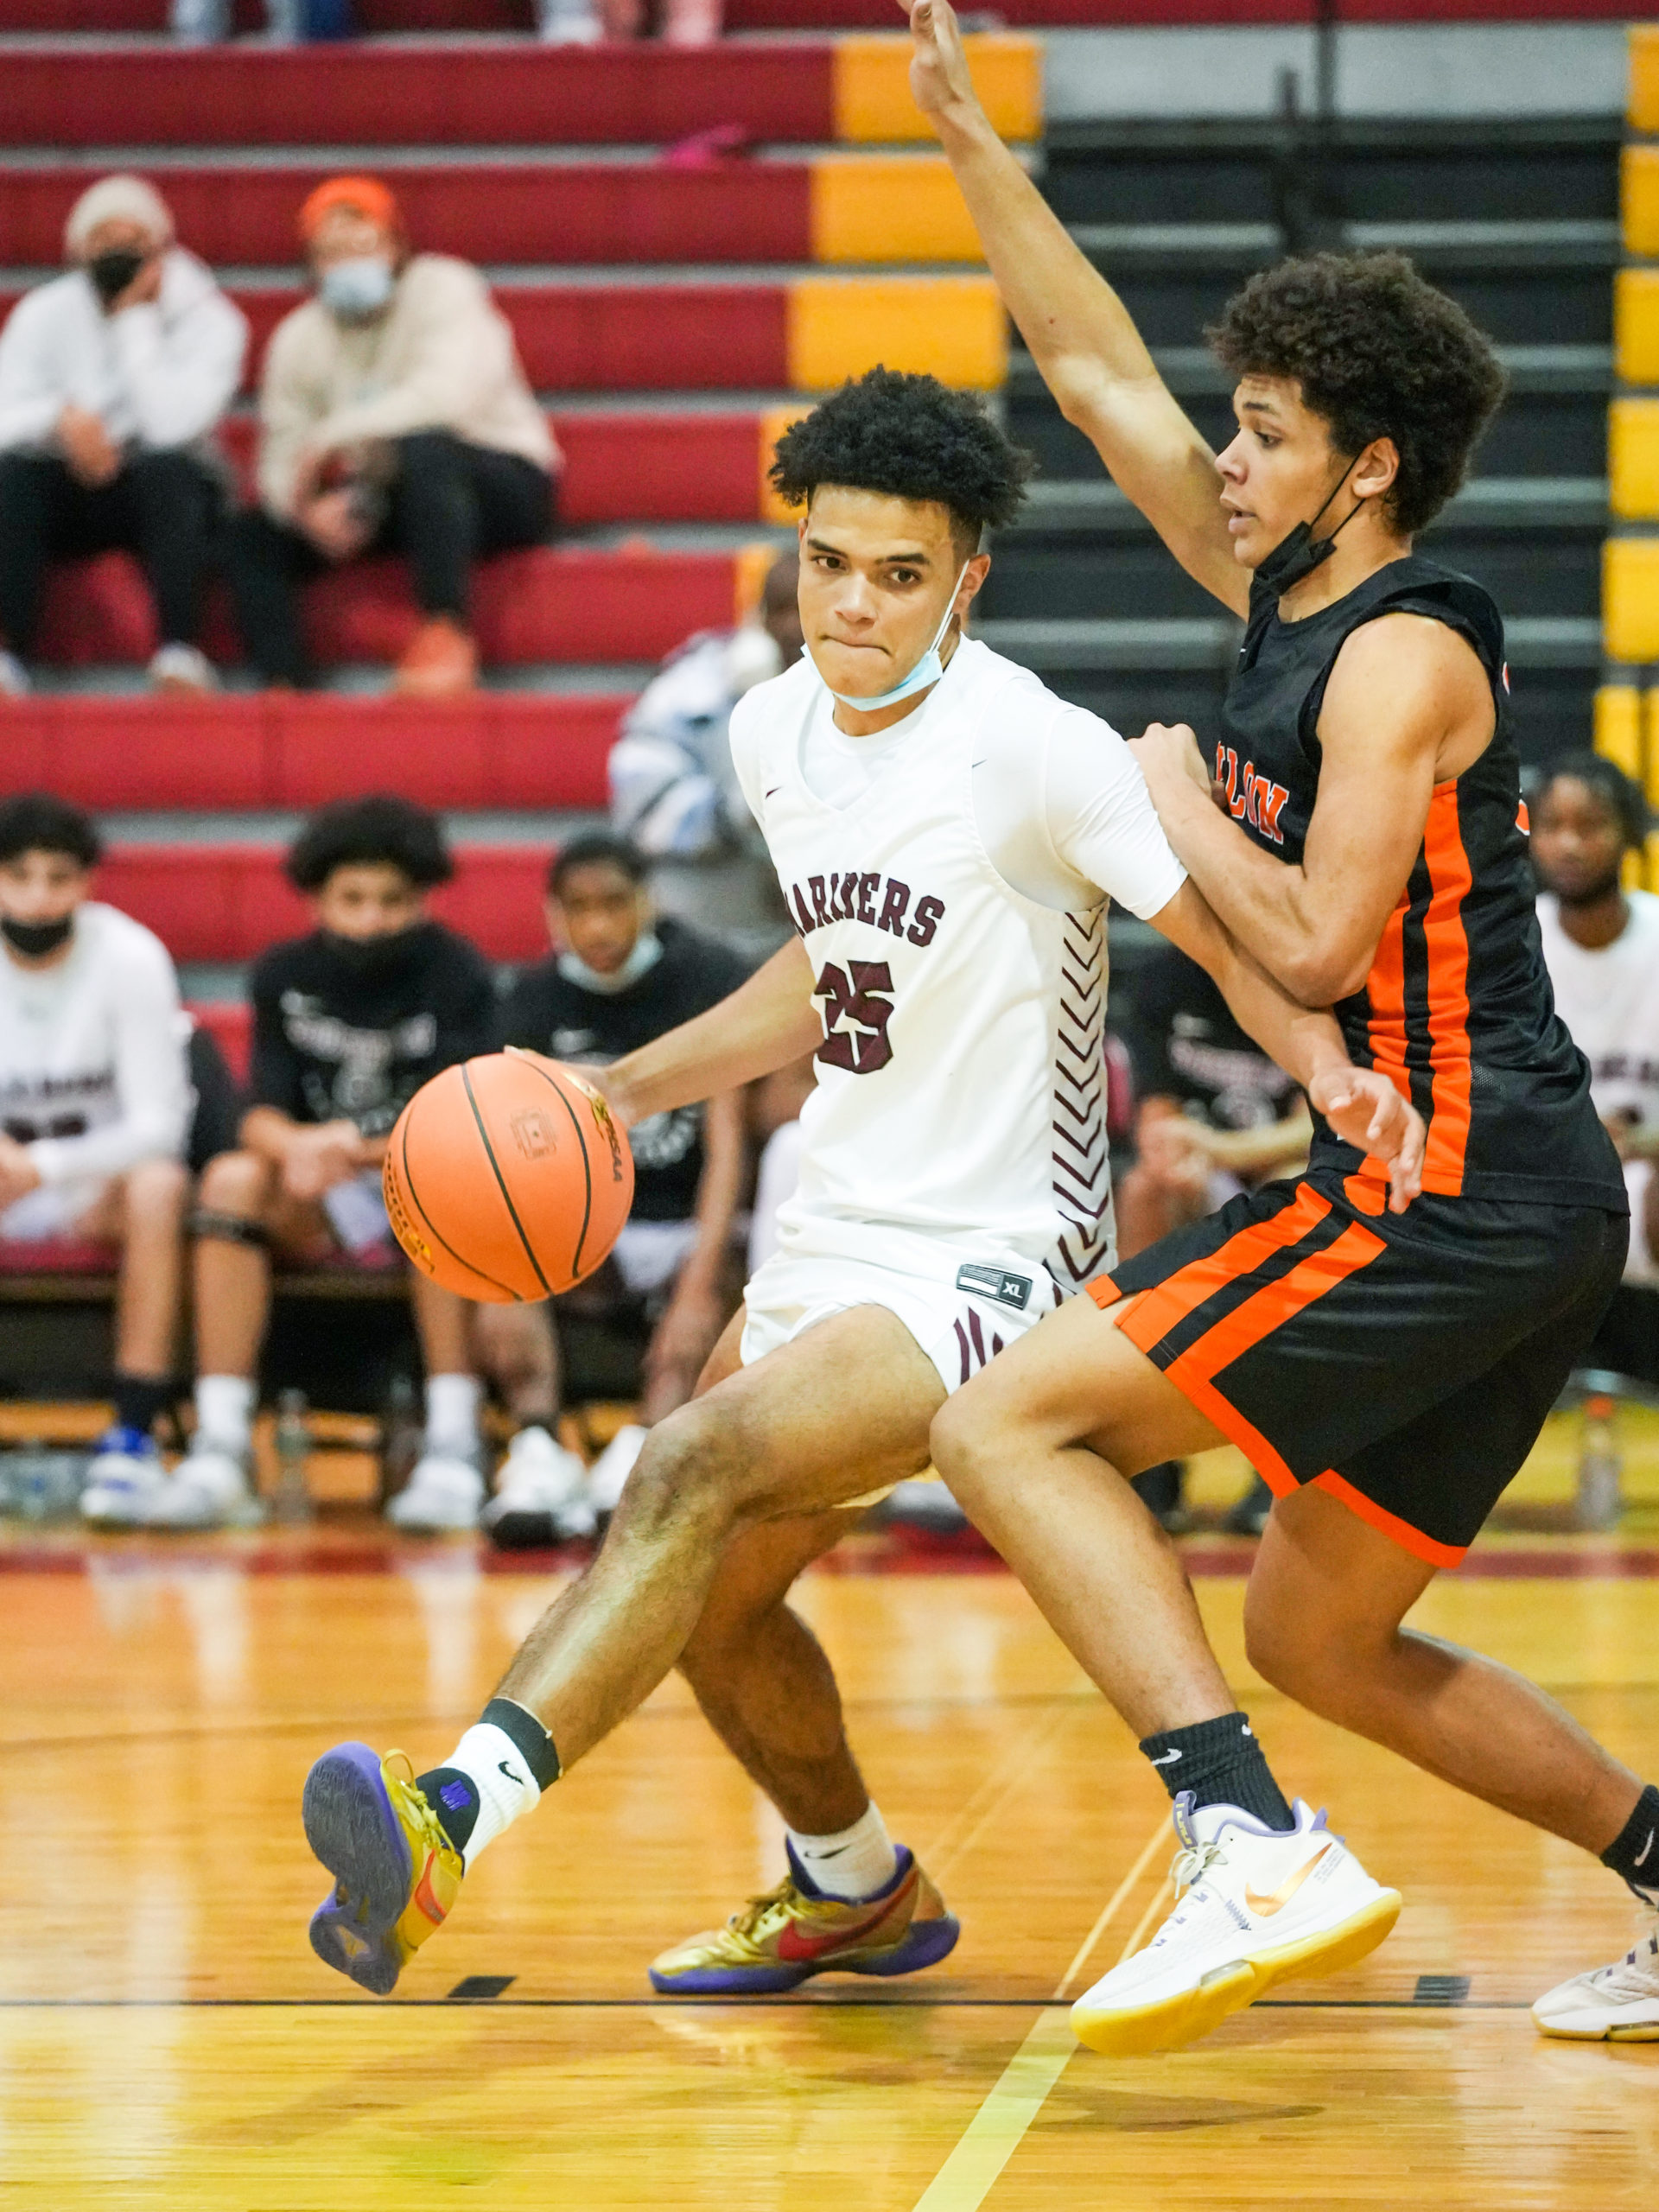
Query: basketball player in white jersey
{"x":946,"y":833}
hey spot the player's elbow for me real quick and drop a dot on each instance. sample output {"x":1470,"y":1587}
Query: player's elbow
{"x":1318,"y":974}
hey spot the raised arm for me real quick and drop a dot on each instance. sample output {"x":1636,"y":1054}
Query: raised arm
{"x":764,"y":1025}
{"x":1091,"y":356}
{"x":1360,"y":1104}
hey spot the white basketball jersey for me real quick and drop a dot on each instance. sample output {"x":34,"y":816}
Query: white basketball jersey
{"x":959,"y":1120}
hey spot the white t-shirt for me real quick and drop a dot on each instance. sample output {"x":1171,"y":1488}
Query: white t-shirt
{"x":94,"y":1073}
{"x":1609,"y":998}
{"x":948,"y":879}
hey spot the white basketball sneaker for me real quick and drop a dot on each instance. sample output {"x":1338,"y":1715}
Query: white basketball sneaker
{"x":123,"y":1481}
{"x":1615,"y":2003}
{"x":443,"y":1493}
{"x":609,"y":1474}
{"x":541,"y":1496}
{"x":208,"y":1489}
{"x":1253,"y":1904}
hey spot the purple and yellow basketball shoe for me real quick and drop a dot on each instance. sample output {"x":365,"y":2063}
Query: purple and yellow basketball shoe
{"x":396,"y":1873}
{"x":780,"y":1940}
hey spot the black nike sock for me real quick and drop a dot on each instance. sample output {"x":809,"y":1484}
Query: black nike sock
{"x":1634,"y":1851}
{"x":1222,"y":1764}
{"x":140,"y":1400}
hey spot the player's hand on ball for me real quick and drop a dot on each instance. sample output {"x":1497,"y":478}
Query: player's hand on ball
{"x":600,"y":1079}
{"x":939,"y":77}
{"x":1363,"y":1108}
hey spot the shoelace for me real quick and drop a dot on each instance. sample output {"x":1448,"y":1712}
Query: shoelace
{"x":412,"y":1805}
{"x":1188,"y":1869}
{"x":747,"y":1919}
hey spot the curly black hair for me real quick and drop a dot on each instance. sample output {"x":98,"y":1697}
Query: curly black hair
{"x":1620,"y":794}
{"x":41,"y":822}
{"x":1379,"y":353}
{"x":912,"y":437}
{"x":596,"y":848}
{"x":381,"y":827}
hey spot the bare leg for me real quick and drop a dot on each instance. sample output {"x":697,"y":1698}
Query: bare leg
{"x":233,"y":1281}
{"x":516,"y":1348}
{"x":1322,"y":1623}
{"x":145,"y":1213}
{"x":786,"y":1436}
{"x":1032,"y":1448}
{"x":441,"y":1323}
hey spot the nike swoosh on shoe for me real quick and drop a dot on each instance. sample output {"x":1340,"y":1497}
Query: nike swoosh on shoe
{"x":1276,"y":1900}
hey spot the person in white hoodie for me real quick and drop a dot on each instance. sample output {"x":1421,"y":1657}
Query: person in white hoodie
{"x":95,"y":1098}
{"x":113,"y":378}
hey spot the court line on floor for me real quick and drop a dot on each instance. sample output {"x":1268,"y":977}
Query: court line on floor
{"x":995,"y":2132}
{"x":689,"y":2003}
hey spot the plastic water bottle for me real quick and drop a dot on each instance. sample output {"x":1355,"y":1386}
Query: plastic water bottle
{"x":1599,"y":1502}
{"x":293,"y":1500}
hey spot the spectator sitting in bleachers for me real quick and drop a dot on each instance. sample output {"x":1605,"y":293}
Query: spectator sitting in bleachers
{"x":1215,"y":1118}
{"x":673,"y":792}
{"x":348,"y":1022}
{"x":394,"y":417}
{"x":584,"y":22}
{"x":1601,"y":946}
{"x":113,"y":378}
{"x":203,"y":23}
{"x":94,"y":1099}
{"x":619,"y":978}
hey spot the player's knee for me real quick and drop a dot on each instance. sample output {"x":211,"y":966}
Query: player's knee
{"x":235,"y":1182}
{"x":155,"y":1190}
{"x":694,"y":1467}
{"x":1287,"y":1648}
{"x":963,"y":1440}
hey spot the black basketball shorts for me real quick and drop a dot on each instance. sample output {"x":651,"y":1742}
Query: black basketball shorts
{"x":1404,"y":1363}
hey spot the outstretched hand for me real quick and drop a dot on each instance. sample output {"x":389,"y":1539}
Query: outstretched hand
{"x":939,"y":77}
{"x":1363,"y":1108}
{"x":606,"y":1081}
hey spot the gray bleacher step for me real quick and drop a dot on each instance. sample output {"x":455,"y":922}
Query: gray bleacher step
{"x":126,"y":680}
{"x":1061,"y":505}
{"x":1192,"y":372}
{"x":1210,"y":642}
{"x":1534,"y":248}
{"x":273,"y":828}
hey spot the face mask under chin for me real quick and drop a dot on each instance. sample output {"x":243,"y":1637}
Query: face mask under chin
{"x":35,"y":939}
{"x":1296,"y":556}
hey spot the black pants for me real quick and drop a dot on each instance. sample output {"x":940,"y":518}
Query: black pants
{"x":165,"y":507}
{"x":450,"y":504}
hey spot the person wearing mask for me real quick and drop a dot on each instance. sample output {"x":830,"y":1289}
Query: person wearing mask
{"x":113,"y":378}
{"x":348,"y":1022}
{"x":1601,"y":946}
{"x":394,"y":417}
{"x":619,"y":977}
{"x":673,"y":790}
{"x":94,"y":1101}
{"x":584,"y":22}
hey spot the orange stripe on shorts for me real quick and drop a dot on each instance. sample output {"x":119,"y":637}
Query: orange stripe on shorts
{"x":1167,"y":1305}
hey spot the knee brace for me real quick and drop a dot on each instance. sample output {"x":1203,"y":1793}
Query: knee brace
{"x":227,"y":1228}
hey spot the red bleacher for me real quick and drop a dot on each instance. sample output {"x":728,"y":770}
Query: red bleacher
{"x":538,"y":750}
{"x":808,"y":15}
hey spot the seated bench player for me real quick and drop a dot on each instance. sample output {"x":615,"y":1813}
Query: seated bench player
{"x":348,"y":1022}
{"x":94,"y":1100}
{"x":620,"y":975}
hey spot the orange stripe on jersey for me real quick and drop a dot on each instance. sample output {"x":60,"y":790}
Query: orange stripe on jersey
{"x":1451,"y":880}
{"x":1408,"y":1539}
{"x":1385,"y":990}
{"x":1524,"y":820}
{"x":1167,"y":1307}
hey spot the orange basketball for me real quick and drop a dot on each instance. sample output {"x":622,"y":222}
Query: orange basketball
{"x":507,"y":1180}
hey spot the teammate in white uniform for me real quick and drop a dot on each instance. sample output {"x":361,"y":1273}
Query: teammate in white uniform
{"x":946,"y":837}
{"x":94,"y":1099}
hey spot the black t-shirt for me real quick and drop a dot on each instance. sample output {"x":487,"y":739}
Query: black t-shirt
{"x":1186,"y":1045}
{"x":545,"y":1012}
{"x":335,"y":1039}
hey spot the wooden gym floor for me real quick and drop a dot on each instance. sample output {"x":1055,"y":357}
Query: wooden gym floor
{"x":167,"y":2040}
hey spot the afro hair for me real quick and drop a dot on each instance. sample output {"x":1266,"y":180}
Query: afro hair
{"x":910,"y":437}
{"x":1378,"y":354}
{"x":382,"y":828}
{"x":1620,"y":794}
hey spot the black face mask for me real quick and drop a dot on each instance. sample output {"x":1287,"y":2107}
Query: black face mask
{"x":374,"y":959}
{"x":1296,"y":556}
{"x":112,"y":272}
{"x":35,"y":939}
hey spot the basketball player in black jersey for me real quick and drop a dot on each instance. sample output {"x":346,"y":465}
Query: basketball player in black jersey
{"x":1357,"y":821}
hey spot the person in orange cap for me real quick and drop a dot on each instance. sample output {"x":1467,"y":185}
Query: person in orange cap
{"x":394,"y":417}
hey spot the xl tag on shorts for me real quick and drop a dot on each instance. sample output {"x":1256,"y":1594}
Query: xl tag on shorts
{"x":992,"y":1282}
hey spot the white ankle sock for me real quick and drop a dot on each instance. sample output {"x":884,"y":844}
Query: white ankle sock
{"x":853,"y":1864}
{"x":497,"y":1770}
{"x":452,"y":1414}
{"x":225,"y":1411}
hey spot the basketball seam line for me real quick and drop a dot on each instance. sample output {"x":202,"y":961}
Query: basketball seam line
{"x":586,"y":1170}
{"x":501,"y":1180}
{"x":459,"y":1258}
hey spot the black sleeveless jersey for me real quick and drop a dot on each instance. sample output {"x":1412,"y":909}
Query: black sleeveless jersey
{"x":1457,"y":1007}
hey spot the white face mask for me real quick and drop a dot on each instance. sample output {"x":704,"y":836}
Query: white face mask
{"x":357,"y":288}
{"x":928,"y":670}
